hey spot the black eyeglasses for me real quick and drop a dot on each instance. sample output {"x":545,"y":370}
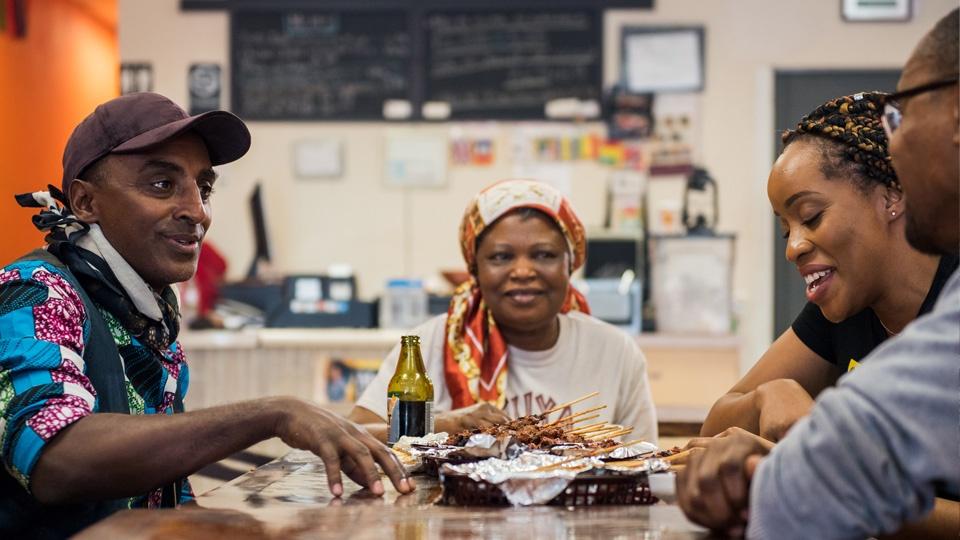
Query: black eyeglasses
{"x":891,"y":109}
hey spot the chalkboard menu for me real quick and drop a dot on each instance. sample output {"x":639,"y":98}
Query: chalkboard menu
{"x":316,"y":65}
{"x":342,"y":62}
{"x":508,"y":64}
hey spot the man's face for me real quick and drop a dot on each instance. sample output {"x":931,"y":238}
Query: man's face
{"x":924,"y":150}
{"x":154,"y":207}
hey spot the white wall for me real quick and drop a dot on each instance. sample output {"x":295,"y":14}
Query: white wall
{"x":357,"y":219}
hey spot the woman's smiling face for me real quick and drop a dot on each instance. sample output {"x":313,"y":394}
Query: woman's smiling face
{"x":837,"y":231}
{"x":523,"y":270}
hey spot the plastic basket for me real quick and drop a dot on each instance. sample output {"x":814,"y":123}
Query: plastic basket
{"x":587,"y":489}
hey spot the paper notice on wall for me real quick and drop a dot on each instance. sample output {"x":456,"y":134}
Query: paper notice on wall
{"x":318,"y":158}
{"x":558,"y":175}
{"x":415,"y":160}
{"x":691,"y":284}
{"x":667,"y":61}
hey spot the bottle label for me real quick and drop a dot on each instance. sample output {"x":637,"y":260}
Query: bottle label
{"x":412,"y":418}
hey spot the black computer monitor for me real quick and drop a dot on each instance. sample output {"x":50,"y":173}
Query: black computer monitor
{"x":261,"y":243}
{"x":611,"y":257}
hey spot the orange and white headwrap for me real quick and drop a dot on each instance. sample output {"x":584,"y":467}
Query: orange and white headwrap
{"x":475,"y":353}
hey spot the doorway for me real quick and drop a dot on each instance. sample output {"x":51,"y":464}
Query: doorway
{"x":796,"y":93}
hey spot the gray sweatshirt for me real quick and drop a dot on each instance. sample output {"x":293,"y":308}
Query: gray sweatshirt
{"x":874,"y":450}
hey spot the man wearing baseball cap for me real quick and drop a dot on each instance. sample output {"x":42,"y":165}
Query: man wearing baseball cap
{"x":92,"y":377}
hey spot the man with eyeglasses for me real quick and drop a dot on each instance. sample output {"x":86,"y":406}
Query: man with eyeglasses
{"x":877,"y":450}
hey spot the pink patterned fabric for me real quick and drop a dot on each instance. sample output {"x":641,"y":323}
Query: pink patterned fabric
{"x":59,"y":321}
{"x":174,"y":362}
{"x":56,"y":414}
{"x":9,"y":275}
{"x":167,"y":402}
{"x":60,"y":286}
{"x":68,"y":372}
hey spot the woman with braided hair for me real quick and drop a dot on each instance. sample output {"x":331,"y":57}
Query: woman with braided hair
{"x":841,"y":208}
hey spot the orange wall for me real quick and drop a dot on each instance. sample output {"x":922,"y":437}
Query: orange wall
{"x":49,"y":81}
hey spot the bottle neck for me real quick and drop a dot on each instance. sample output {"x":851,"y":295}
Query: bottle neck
{"x":410,"y":359}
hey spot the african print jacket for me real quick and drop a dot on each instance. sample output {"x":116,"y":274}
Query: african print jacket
{"x":43,"y":382}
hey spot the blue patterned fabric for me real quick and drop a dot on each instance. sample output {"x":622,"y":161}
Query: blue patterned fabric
{"x":43,"y":386}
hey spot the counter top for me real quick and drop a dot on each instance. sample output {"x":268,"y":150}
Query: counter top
{"x":289,"y":498}
{"x":386,"y":338}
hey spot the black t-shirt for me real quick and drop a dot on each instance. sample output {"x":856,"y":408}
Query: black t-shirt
{"x":854,"y":338}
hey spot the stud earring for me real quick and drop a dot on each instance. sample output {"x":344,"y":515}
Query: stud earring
{"x":893,"y":213}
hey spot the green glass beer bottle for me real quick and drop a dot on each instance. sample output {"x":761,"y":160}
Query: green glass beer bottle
{"x":409,"y":394}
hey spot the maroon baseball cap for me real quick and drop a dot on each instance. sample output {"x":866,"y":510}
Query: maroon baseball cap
{"x":135,"y":122}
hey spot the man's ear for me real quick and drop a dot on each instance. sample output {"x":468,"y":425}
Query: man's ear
{"x":81,"y":197}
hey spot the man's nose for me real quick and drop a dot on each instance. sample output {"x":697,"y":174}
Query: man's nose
{"x":191,"y":206}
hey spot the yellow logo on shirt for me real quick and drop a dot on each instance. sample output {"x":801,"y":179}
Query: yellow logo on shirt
{"x":852,"y":365}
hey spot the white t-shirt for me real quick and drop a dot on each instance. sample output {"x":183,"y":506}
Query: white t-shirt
{"x":590,"y":355}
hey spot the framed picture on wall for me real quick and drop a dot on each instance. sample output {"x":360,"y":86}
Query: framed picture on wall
{"x":203,"y":81}
{"x":662,"y":59}
{"x":136,"y":77}
{"x":876,"y":11}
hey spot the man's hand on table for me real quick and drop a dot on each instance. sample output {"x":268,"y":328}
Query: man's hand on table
{"x":341,"y":444}
{"x":713,"y":490}
{"x":480,"y":415}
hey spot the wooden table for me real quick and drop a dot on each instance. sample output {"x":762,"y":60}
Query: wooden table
{"x":289,"y":498}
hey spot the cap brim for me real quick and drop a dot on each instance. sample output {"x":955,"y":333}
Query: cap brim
{"x":226,"y":136}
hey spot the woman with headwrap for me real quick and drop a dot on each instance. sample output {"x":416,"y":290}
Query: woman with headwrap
{"x":841,"y":210}
{"x":518,"y":338}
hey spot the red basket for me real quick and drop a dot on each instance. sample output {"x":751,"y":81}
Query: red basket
{"x":432,"y":464}
{"x":587,"y":489}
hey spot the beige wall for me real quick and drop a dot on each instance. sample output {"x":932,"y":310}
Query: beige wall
{"x":357,"y":219}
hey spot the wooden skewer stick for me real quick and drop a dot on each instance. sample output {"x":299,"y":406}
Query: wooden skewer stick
{"x":561,"y":464}
{"x":586,"y":428}
{"x":602,"y":433}
{"x":601,"y":427}
{"x":612,"y":448}
{"x":577,"y":421}
{"x":594,"y":453}
{"x":631,"y":463}
{"x":678,"y":456}
{"x":569,"y":403}
{"x":577,"y":415}
{"x":611,"y":435}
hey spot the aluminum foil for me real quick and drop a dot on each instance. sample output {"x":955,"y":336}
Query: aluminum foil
{"x":633,"y":451}
{"x":519,"y":478}
{"x":481,"y":440}
{"x":644,"y":466}
{"x":411,"y":450}
{"x":406,"y":443}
